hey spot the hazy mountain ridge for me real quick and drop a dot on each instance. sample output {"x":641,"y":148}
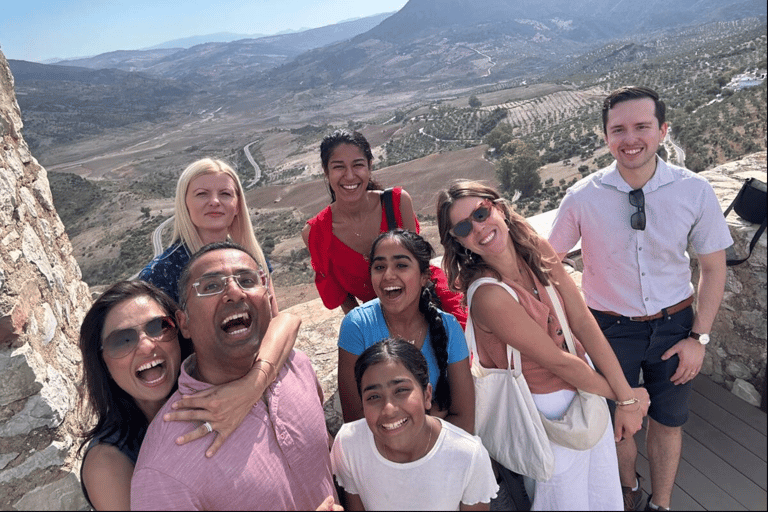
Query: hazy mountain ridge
{"x":460,"y":42}
{"x":251,"y":55}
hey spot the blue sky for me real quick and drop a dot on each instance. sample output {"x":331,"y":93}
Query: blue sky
{"x":39,"y":30}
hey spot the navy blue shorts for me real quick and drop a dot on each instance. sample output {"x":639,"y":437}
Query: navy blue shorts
{"x":640,"y":345}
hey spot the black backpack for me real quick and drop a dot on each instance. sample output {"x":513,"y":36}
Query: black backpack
{"x":750,"y":204}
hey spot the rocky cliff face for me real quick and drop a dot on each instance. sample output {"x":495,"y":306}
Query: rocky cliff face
{"x":42,"y":302}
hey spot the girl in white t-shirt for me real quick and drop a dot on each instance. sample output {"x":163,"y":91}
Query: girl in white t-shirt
{"x":398,"y":457}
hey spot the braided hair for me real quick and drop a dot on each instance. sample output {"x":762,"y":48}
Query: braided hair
{"x":429,"y":306}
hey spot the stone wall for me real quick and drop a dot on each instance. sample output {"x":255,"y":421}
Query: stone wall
{"x":42,"y":302}
{"x":736,"y":356}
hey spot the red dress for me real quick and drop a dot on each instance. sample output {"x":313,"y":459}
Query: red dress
{"x":340,"y":270}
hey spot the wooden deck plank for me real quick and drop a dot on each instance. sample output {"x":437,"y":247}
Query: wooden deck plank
{"x":731,"y":403}
{"x":747,"y":492}
{"x":681,"y":500}
{"x":723,"y":464}
{"x":732,"y":453}
{"x":695,"y":484}
{"x":730,"y":425}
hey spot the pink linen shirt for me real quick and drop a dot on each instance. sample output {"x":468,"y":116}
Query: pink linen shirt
{"x":632,"y":272}
{"x":277,"y":459}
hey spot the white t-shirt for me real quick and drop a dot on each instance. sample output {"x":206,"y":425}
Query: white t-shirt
{"x":457,"y":470}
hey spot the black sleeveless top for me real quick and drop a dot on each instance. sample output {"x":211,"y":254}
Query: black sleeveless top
{"x":129,"y":447}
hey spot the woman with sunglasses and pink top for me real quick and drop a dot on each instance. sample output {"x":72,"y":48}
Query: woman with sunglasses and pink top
{"x":131,"y":353}
{"x":484,"y":237}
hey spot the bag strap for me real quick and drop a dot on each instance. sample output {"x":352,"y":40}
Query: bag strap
{"x":738,"y":196}
{"x":562,"y":318}
{"x":752,"y":244}
{"x":512,"y":353}
{"x":389,"y":209}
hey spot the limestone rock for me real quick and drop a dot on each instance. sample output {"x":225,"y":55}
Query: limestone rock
{"x":746,"y":391}
{"x":42,"y":301}
{"x":738,"y":348}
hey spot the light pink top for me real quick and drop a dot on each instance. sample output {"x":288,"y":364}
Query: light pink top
{"x":277,"y":459}
{"x":493,"y":352}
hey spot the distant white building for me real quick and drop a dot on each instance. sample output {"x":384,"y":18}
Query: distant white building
{"x":749,"y":79}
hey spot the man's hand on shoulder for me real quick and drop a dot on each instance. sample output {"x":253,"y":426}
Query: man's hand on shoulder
{"x":691,"y":354}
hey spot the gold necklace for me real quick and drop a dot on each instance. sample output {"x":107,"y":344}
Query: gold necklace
{"x":532,"y":286}
{"x":426,"y":449}
{"x":420,"y":335}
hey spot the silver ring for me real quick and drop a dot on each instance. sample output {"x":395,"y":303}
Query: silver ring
{"x":208,"y":427}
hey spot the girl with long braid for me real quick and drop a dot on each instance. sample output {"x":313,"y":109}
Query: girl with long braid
{"x":406,"y":307}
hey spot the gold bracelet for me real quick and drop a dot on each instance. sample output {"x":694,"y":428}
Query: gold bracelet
{"x":631,"y":401}
{"x":270,"y":363}
{"x":265,"y":374}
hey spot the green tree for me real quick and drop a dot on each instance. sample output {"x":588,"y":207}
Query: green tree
{"x":145,"y":210}
{"x":499,"y":136}
{"x":475,"y":102}
{"x":517,"y":147}
{"x":519,"y":172}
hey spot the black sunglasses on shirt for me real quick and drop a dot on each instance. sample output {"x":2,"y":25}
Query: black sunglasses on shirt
{"x":637,"y":199}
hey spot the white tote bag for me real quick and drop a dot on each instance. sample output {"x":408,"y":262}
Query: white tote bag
{"x":506,"y":418}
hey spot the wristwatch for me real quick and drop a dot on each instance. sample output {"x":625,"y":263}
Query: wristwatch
{"x":701,"y":338}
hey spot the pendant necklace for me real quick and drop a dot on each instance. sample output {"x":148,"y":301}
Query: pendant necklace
{"x":419,"y":335}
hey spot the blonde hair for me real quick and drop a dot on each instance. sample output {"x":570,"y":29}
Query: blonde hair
{"x":241,"y":230}
{"x":461,"y":265}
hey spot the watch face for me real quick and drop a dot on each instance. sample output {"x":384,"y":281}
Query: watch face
{"x":704,"y":339}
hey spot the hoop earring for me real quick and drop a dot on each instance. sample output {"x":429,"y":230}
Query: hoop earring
{"x":468,"y":255}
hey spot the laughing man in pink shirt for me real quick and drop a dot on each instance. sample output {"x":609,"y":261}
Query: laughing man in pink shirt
{"x":278,"y":458}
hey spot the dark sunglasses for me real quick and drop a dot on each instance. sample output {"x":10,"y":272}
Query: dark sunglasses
{"x":637,"y":199}
{"x":464,"y":227}
{"x":122,"y":342}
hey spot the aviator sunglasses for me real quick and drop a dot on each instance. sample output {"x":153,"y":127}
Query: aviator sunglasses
{"x":637,"y":199}
{"x":480,"y":214}
{"x":122,"y":342}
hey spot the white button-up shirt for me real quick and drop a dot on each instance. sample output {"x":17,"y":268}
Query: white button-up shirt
{"x":632,"y":272}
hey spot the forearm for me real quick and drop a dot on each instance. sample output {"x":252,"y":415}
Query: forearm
{"x":276,"y":346}
{"x":580,"y":375}
{"x":710,"y":290}
{"x":604,"y":358}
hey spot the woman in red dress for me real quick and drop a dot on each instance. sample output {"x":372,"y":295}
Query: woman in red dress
{"x":339,"y":237}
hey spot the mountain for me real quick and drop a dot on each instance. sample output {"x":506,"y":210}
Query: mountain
{"x":460,"y":42}
{"x":188,"y":42}
{"x":212,"y":58}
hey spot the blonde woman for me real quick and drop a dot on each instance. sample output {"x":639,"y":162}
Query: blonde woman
{"x":211,"y":207}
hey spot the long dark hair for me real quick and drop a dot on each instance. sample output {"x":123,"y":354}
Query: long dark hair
{"x":116,"y":411}
{"x":357,"y":139}
{"x":397,"y":350}
{"x":429,"y":305}
{"x":461,"y":265}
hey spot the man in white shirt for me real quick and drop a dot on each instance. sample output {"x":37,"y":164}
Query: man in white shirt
{"x":635,"y":219}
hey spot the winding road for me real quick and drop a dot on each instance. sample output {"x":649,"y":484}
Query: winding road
{"x":256,"y":168}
